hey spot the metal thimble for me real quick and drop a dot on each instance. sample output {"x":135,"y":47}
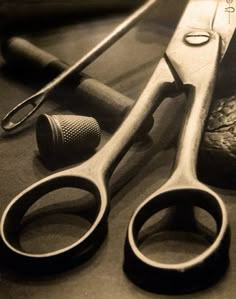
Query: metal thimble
{"x":64,"y":135}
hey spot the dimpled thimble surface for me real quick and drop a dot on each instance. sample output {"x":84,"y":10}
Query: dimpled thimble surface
{"x":62,"y":135}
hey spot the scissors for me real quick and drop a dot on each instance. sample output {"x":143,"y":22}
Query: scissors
{"x":189,"y":65}
{"x":193,"y":56}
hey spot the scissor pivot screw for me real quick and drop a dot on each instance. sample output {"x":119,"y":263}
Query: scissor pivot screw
{"x":197,"y":38}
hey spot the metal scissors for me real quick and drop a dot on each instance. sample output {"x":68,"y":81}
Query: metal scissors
{"x":193,"y":56}
{"x":189,"y":65}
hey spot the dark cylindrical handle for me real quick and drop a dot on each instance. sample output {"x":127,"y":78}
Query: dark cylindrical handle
{"x":19,"y":52}
{"x":102,"y":100}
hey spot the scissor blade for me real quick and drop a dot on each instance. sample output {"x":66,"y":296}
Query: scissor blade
{"x":201,"y":17}
{"x":225,"y":24}
{"x":211,"y":15}
{"x":199,"y":14}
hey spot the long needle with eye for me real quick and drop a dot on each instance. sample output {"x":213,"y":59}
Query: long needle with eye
{"x":37,"y":99}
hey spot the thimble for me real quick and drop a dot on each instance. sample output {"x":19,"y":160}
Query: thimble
{"x":65,"y":135}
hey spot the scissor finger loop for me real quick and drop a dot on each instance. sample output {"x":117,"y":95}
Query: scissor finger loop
{"x":192,"y":274}
{"x":77,"y":177}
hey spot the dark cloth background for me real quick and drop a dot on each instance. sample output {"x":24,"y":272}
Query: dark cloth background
{"x":126,"y":67}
